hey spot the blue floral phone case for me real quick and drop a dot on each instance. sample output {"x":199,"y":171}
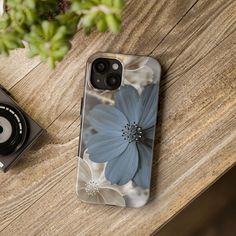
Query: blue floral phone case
{"x":117,"y":135}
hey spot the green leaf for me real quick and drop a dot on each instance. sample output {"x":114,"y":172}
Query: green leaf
{"x":119,"y":4}
{"x":113,"y":23}
{"x":107,"y":2}
{"x":48,"y":29}
{"x":101,"y":25}
{"x":88,"y":20}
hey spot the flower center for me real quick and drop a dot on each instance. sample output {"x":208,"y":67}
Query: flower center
{"x":132,"y":132}
{"x":92,"y":187}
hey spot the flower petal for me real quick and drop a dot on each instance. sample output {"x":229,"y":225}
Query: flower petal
{"x":85,"y":197}
{"x":84,"y":171}
{"x":143,"y":175}
{"x":134,"y":63}
{"x":139,"y":78}
{"x":81,"y":184}
{"x":112,"y":197}
{"x":149,"y":134}
{"x":156,"y":69}
{"x":105,"y":147}
{"x":123,"y":168}
{"x":97,"y":169}
{"x":107,"y":119}
{"x":149,"y":101}
{"x":127,"y":101}
{"x":136,"y":197}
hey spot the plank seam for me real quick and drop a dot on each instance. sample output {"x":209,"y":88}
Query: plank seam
{"x":186,"y":13}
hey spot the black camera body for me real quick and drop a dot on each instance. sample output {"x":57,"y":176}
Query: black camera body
{"x":17,"y":131}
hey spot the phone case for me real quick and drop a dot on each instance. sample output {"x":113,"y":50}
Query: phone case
{"x":117,"y":135}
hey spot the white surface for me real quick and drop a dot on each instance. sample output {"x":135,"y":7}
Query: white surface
{"x":2,"y":3}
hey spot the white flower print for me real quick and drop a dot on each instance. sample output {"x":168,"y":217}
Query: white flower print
{"x":92,"y":187}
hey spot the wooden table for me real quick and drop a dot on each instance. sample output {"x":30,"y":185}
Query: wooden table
{"x":195,"y":41}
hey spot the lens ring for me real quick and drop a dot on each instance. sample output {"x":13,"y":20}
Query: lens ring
{"x":12,"y":138}
{"x":100,"y":66}
{"x":5,"y":129}
{"x":113,"y":81}
{"x":1,"y":129}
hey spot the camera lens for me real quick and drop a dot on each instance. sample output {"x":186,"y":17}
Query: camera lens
{"x":13,"y":129}
{"x":1,"y":129}
{"x":5,"y":129}
{"x":113,"y":81}
{"x":100,"y":66}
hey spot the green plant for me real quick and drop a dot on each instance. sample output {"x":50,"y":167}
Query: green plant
{"x":47,"y":26}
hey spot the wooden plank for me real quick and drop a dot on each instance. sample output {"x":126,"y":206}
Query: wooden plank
{"x":195,"y":137}
{"x":15,"y":67}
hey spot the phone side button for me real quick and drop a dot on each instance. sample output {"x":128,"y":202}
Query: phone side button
{"x":81,"y":106}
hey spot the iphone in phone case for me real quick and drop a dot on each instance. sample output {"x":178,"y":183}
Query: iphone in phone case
{"x":117,"y":134}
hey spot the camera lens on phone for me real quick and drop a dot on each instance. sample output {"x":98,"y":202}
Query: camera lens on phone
{"x":100,"y":66}
{"x":113,"y":81}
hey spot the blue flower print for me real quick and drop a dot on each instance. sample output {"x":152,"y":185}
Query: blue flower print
{"x":125,"y":134}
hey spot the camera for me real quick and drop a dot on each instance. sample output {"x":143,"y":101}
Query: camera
{"x":17,"y":131}
{"x":106,"y":74}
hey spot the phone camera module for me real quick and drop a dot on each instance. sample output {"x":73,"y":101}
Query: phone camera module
{"x":106,"y":74}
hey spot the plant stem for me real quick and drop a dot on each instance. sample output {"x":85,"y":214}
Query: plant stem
{"x":63,"y":5}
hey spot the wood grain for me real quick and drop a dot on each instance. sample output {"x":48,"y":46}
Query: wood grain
{"x":196,"y":136}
